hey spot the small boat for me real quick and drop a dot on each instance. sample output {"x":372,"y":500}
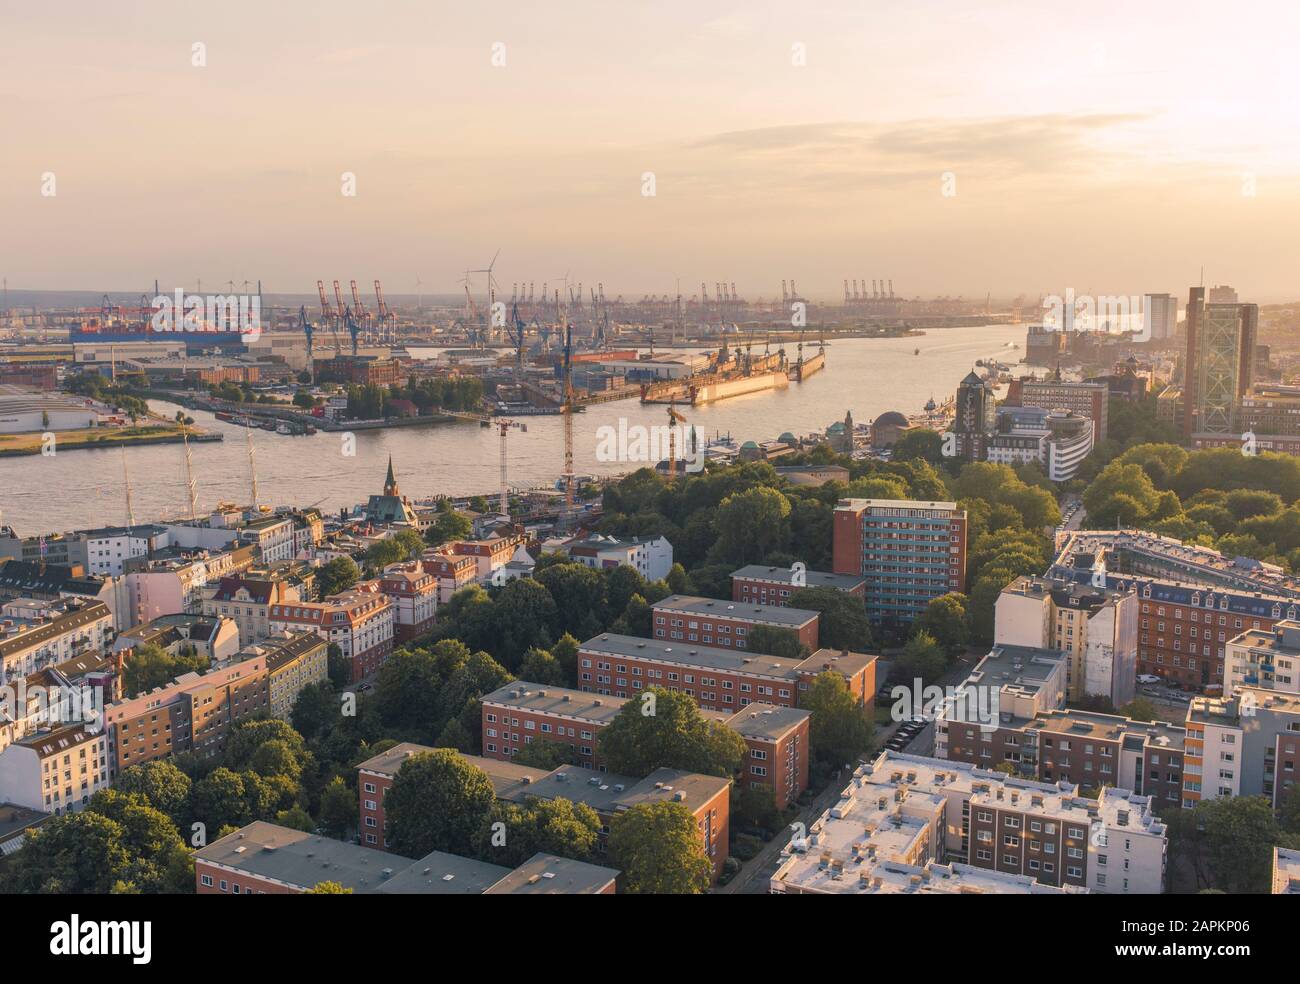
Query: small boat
{"x":283,"y":428}
{"x":916,"y":351}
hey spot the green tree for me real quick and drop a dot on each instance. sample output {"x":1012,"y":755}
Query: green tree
{"x":337,"y":575}
{"x":922,"y":657}
{"x":926,"y":445}
{"x":160,"y":784}
{"x":438,"y":802}
{"x":338,"y":808}
{"x":843,"y":623}
{"x":841,"y":728}
{"x":769,"y":640}
{"x":390,"y":550}
{"x":328,"y":888}
{"x":550,"y":826}
{"x":665,"y":729}
{"x":448,"y":527}
{"x":657,"y":847}
{"x":149,"y":666}
{"x":750,"y":525}
{"x":539,"y":666}
{"x":947,"y":619}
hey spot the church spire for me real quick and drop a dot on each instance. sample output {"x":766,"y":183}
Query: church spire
{"x":390,"y":483}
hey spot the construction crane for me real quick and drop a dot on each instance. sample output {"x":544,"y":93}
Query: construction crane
{"x":308,"y":329}
{"x":567,"y":411}
{"x":674,"y":418}
{"x":503,"y":427}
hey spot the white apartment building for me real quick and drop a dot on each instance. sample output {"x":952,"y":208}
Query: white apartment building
{"x":36,"y":634}
{"x":1264,"y":659}
{"x":651,"y":557}
{"x":55,"y":770}
{"x":914,"y":811}
{"x":1097,"y":627}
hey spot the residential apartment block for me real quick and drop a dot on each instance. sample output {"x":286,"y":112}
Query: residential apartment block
{"x":904,"y":815}
{"x":519,"y":714}
{"x":360,"y":621}
{"x":249,"y":597}
{"x":908,"y":552}
{"x":1192,"y":601}
{"x":193,"y":713}
{"x":761,"y":585}
{"x":651,"y":557}
{"x":686,"y":618}
{"x":415,"y":599}
{"x":56,"y":769}
{"x":35,"y":634}
{"x":718,"y":679}
{"x":1097,"y":627}
{"x":1264,"y":659}
{"x":1244,"y":745}
{"x":267,"y":859}
{"x":707,"y":797}
{"x":294,"y":661}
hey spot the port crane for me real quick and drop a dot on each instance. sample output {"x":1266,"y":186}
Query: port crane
{"x":354,"y":328}
{"x":387,"y":327}
{"x":338,"y":317}
{"x":361,"y":315}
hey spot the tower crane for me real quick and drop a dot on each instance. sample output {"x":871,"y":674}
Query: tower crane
{"x":503,"y":428}
{"x":308,"y":329}
{"x":567,"y":411}
{"x":674,"y":418}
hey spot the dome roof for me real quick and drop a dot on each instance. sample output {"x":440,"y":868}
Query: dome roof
{"x":749,"y":446}
{"x":787,"y":438}
{"x":890,"y":418}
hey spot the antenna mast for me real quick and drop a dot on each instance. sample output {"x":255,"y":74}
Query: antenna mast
{"x":126,"y":480}
{"x":252,"y":464}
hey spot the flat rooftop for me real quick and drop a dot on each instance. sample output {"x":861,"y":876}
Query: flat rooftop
{"x":766,"y":721}
{"x":559,"y":701}
{"x":717,"y":608}
{"x":440,"y":873}
{"x":858,"y":504}
{"x":785,"y":575}
{"x":1111,"y":727}
{"x":546,"y":874}
{"x":299,"y":859}
{"x":703,"y":657}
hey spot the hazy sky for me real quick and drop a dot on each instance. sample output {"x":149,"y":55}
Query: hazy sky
{"x":1104,"y":146}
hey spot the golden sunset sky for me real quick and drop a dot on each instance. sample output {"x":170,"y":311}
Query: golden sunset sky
{"x":1103,"y":146}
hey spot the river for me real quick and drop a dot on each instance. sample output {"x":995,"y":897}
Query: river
{"x":81,"y":489}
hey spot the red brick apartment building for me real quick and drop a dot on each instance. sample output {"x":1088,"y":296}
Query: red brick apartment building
{"x":415,"y":599}
{"x":519,"y":713}
{"x":359,"y":621}
{"x":193,"y":713}
{"x":718,"y":679}
{"x":759,"y":584}
{"x":686,"y":618}
{"x":1080,"y":747}
{"x":707,"y":797}
{"x":267,"y":859}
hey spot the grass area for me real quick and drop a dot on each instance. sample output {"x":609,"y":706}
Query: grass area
{"x":90,"y":437}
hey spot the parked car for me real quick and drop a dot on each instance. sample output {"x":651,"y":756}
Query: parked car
{"x":1148,"y":678}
